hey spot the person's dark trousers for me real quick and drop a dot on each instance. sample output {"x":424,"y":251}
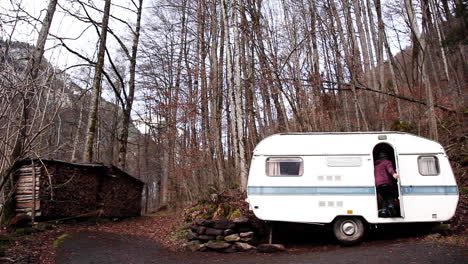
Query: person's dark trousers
{"x":386,"y":192}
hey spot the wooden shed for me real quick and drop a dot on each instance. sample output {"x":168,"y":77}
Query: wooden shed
{"x":51,"y":189}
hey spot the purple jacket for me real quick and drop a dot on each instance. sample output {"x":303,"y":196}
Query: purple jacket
{"x":383,"y":172}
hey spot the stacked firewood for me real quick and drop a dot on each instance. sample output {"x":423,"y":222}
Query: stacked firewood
{"x":27,"y":190}
{"x":69,"y":191}
{"x":119,"y":197}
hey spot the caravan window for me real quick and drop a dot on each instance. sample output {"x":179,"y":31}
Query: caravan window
{"x":428,"y":165}
{"x":284,"y":167}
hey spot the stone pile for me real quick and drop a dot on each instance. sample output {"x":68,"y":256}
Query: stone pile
{"x":222,"y":235}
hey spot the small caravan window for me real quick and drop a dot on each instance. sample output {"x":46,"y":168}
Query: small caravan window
{"x":428,"y":165}
{"x":284,"y":167}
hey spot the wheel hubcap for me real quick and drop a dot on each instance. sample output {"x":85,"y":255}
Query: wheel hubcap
{"x":348,"y":228}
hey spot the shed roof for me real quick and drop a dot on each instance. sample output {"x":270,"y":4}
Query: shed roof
{"x":110,"y":170}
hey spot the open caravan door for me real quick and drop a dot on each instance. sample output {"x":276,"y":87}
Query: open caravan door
{"x":400,"y":196}
{"x":389,"y":195}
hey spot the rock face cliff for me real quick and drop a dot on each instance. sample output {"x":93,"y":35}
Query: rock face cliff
{"x":57,"y":124}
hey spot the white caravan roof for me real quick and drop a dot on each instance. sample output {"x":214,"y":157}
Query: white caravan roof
{"x":343,"y":143}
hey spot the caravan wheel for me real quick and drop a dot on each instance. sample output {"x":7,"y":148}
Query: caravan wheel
{"x":348,"y":230}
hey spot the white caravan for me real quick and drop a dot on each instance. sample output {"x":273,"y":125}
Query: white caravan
{"x":328,"y":178}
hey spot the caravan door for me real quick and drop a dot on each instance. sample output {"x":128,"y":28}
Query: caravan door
{"x":387,"y":194}
{"x":400,"y":196}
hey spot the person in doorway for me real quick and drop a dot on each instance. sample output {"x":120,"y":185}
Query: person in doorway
{"x":384,"y":175}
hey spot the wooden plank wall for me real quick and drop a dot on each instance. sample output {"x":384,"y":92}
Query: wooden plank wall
{"x":27,"y":190}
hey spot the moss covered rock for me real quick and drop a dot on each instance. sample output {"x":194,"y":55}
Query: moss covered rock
{"x":60,"y":240}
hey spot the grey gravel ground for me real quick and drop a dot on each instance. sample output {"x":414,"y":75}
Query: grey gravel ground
{"x":102,"y":248}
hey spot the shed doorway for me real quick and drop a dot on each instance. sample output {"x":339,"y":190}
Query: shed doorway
{"x":388,"y":193}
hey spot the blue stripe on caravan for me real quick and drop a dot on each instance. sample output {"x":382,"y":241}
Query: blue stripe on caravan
{"x":429,"y":190}
{"x":268,"y":190}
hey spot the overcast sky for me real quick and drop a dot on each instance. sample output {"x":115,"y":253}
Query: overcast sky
{"x":64,"y":26}
{"x":86,"y":38}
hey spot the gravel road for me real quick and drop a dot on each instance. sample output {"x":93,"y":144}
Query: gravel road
{"x":99,"y":247}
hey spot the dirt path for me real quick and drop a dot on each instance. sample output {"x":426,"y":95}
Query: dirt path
{"x":100,"y":247}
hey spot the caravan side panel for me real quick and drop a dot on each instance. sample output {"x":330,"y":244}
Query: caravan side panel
{"x":328,"y":187}
{"x":427,"y":198}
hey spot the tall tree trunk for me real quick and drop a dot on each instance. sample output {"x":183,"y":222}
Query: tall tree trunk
{"x":393,"y":68}
{"x":216,"y":91}
{"x":362,"y":38}
{"x":238,"y":101}
{"x":313,"y":28}
{"x":32,"y":71}
{"x":93,"y":113}
{"x":220,"y":96}
{"x":419,"y":44}
{"x":202,"y":53}
{"x":269,"y":87}
{"x":432,"y":7}
{"x":368,"y":77}
{"x":131,"y":91}
{"x":369,"y":35}
{"x":248,"y":63}
{"x":315,"y":67}
{"x":77,"y":135}
{"x":380,"y":59}
{"x":428,"y":67}
{"x":340,"y":77}
{"x":354,"y":62}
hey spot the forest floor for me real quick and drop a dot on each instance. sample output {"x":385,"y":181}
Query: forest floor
{"x":159,"y":238}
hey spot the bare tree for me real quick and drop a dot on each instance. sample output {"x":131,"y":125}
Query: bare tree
{"x":127,"y":108}
{"x":32,"y":70}
{"x":93,"y":116}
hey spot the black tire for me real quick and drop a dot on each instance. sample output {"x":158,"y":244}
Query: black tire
{"x":349,"y":230}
